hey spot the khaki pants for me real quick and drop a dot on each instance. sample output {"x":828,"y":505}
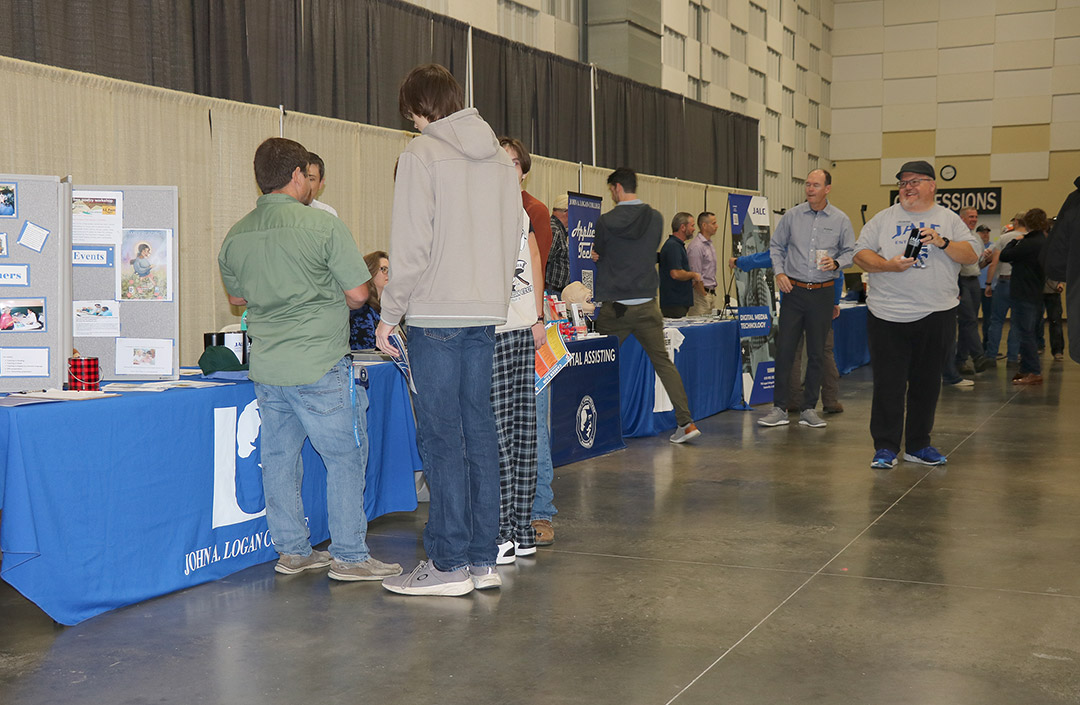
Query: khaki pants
{"x":703,"y":305}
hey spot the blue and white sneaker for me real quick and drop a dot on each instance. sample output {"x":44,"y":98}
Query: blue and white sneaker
{"x":883,"y":459}
{"x":927,"y":456}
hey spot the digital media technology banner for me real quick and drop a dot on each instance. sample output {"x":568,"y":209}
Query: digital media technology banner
{"x":756,"y":291}
{"x":582,"y":213}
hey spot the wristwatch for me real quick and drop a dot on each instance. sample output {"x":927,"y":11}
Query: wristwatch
{"x":945,"y":242}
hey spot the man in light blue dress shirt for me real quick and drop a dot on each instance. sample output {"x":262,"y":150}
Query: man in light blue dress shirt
{"x":811,"y":241}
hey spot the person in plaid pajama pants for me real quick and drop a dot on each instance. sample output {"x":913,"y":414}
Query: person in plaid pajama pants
{"x":513,"y":398}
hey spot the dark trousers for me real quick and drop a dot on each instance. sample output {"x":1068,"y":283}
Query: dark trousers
{"x":802,"y":311}
{"x":967,"y":320}
{"x":1052,"y":305}
{"x":1024,"y":316}
{"x":830,"y":376}
{"x":674,"y":311}
{"x":907,"y":360}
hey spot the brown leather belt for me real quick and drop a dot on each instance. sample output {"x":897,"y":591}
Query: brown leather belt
{"x":811,"y":285}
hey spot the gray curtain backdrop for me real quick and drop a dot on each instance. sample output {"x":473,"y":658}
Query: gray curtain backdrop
{"x":345,"y":59}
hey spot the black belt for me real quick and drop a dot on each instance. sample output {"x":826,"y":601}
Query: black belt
{"x":967,"y":276}
{"x":710,"y":290}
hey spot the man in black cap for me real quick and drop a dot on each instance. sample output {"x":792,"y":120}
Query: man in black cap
{"x":912,"y":312}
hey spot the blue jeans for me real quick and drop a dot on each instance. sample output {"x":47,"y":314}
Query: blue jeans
{"x":543,"y":503}
{"x":458,"y":443}
{"x":999,"y":309}
{"x":332,"y":412}
{"x":1024,"y":315}
{"x":967,"y":320}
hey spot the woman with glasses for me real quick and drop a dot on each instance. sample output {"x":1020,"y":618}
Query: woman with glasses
{"x":362,"y":321}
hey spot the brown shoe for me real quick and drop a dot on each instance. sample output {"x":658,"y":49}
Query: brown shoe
{"x":1029,"y":378}
{"x":1058,"y":357}
{"x":545,"y":532}
{"x":836,"y":408}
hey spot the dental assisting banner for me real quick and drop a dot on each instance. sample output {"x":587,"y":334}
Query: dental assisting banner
{"x":756,"y":291}
{"x":582,"y":213}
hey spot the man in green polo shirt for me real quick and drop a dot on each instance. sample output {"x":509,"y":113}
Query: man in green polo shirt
{"x":298,"y":272}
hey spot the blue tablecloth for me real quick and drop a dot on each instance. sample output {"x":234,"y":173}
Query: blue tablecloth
{"x":850,"y":346}
{"x":113,"y":501}
{"x":710,"y":363}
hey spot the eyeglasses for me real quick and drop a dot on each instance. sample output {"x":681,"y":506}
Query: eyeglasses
{"x":384,"y":270}
{"x":911,"y":182}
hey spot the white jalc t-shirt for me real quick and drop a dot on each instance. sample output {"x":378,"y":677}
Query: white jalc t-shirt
{"x":903,"y":297}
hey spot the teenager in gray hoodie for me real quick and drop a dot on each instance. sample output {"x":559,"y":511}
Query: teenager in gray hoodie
{"x":454,"y":236}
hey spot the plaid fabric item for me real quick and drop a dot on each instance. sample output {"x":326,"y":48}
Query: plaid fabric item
{"x":557,"y":276}
{"x":514,"y":404}
{"x":84,"y":373}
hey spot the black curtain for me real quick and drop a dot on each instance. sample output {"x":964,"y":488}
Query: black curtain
{"x":537,"y":97}
{"x":345,"y":59}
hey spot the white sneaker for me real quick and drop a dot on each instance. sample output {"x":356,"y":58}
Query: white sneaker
{"x":507,"y":554}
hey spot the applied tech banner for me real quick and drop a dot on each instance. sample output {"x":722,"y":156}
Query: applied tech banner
{"x":756,"y":290}
{"x":582,"y":213}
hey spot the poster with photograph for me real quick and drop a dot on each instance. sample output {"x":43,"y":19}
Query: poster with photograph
{"x":97,"y":319}
{"x":145,"y":269}
{"x":144,"y":356}
{"x":22,"y":315}
{"x":96,"y":217}
{"x":9,"y":202}
{"x":3,"y":245}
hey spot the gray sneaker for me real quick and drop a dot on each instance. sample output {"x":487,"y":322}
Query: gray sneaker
{"x":776,"y":417}
{"x":484,"y":577}
{"x":426,"y":579}
{"x":290,"y":563}
{"x":810,"y":418}
{"x":371,"y":569}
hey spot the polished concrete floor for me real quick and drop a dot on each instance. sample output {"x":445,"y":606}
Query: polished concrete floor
{"x":754,"y":566}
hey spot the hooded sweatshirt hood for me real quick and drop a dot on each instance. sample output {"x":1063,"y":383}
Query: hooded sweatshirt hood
{"x":465,"y":132}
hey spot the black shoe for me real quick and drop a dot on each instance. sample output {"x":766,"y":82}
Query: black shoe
{"x":984,"y":363}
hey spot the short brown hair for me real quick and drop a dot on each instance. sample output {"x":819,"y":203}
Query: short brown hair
{"x":275,"y":161}
{"x":1035,"y":220}
{"x":431,"y":92}
{"x":523,"y":156}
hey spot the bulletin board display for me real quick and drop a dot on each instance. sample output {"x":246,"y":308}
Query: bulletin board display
{"x":35,"y":282}
{"x":125,"y":306}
